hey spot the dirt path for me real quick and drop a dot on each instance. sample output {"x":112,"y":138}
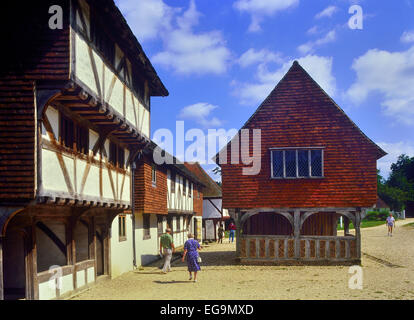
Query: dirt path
{"x":388,"y":273}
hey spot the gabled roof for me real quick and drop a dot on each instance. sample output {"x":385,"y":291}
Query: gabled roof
{"x":211,"y":189}
{"x":177,"y":165}
{"x":381,"y":204}
{"x":127,"y":37}
{"x":299,"y":74}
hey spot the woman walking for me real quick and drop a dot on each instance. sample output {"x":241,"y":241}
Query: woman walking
{"x":191,"y":248}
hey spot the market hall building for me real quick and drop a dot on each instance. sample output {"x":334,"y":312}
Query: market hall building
{"x":315,"y":166}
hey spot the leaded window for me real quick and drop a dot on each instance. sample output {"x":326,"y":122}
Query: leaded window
{"x":297,"y":163}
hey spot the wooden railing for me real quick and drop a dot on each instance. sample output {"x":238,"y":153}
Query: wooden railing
{"x":307,"y":248}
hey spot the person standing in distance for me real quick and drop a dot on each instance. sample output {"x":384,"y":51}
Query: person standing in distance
{"x":390,"y":224}
{"x":232,"y":228}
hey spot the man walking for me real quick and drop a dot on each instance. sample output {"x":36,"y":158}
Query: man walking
{"x":167,"y":248}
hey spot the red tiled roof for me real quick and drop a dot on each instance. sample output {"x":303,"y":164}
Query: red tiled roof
{"x":211,"y":189}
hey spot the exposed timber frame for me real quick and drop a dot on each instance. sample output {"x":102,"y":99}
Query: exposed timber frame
{"x":298,"y":248}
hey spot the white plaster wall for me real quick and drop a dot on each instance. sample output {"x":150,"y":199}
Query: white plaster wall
{"x":48,"y":254}
{"x":146,"y":250}
{"x":67,"y":284}
{"x":80,"y":278}
{"x":135,"y":112}
{"x":91,"y":275}
{"x":176,"y":200}
{"x":46,"y":291}
{"x":121,"y":251}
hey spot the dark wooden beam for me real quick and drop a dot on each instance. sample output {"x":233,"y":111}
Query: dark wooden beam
{"x":51,"y":235}
{"x":1,"y":270}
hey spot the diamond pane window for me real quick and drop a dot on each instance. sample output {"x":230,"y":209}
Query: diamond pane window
{"x":277,"y":164}
{"x":316,"y":163}
{"x":290,"y":162}
{"x":303,"y":163}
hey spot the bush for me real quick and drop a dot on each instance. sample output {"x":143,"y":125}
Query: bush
{"x":380,"y":215}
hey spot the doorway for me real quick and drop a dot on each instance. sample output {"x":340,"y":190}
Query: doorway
{"x":14,"y":265}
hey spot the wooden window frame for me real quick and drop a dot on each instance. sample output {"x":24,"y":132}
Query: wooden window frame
{"x":178,"y":224}
{"x":146,"y":229}
{"x":116,"y":155}
{"x":172,"y":179}
{"x":309,"y":149}
{"x":122,"y":227}
{"x":160,"y":220}
{"x":66,"y":133}
{"x":154,"y":175}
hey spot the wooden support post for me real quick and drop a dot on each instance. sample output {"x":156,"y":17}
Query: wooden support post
{"x":34,"y":262}
{"x":358,"y":232}
{"x":73,"y":250}
{"x":238,"y":226}
{"x":93,"y":246}
{"x":296,"y":225}
{"x":1,"y":270}
{"x":346,"y":225}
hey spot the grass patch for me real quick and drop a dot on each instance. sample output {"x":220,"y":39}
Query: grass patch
{"x":410,"y":225}
{"x":365,"y":224}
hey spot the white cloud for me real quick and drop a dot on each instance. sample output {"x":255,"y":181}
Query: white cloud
{"x":187,"y":52}
{"x":259,"y":9}
{"x":253,"y":56}
{"x":394,"y":150}
{"x":389,"y":74}
{"x":148,"y":18}
{"x":327,"y":12}
{"x":200,"y":112}
{"x":310,"y":46}
{"x":407,"y":37}
{"x":313,"y":30}
{"x":184,"y":50}
{"x":319,"y":68}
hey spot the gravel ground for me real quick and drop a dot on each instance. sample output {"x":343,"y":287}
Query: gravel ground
{"x":388,"y":273}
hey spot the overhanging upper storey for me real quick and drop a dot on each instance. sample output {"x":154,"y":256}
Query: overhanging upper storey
{"x":109,"y":64}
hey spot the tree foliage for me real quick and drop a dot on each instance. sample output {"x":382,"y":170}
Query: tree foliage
{"x":398,"y":189}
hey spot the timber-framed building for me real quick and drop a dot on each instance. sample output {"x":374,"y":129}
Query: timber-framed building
{"x":75,"y":113}
{"x":316,"y":165}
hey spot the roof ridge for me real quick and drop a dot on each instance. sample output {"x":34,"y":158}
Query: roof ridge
{"x":296,"y":65}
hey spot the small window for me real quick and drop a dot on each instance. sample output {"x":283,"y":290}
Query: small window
{"x":169,"y":224}
{"x":297,"y":163}
{"x":188,"y":223}
{"x":112,"y":153}
{"x":66,"y":131}
{"x":121,"y":156}
{"x":154,"y":175}
{"x":190,"y":190}
{"x":172,"y":182}
{"x":316,"y":163}
{"x":122,"y":227}
{"x":178,"y":219}
{"x":160,"y":220}
{"x":146,"y":226}
{"x":290,"y":163}
{"x":116,"y":155}
{"x":82,"y":140}
{"x":185,"y":187}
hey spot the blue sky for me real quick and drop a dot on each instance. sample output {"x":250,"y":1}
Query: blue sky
{"x":220,"y":59}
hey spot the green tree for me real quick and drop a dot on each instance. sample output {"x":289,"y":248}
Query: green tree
{"x":399,"y":187}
